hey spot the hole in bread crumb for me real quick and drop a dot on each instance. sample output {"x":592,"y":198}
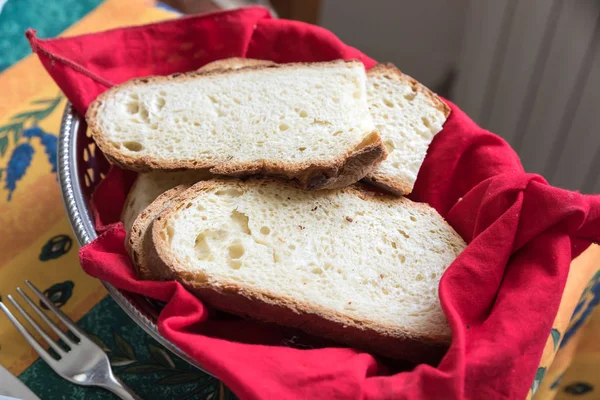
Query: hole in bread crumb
{"x":144,"y":114}
{"x":385,"y":291}
{"x":283,"y":127}
{"x":231,"y":192}
{"x":394,"y":245}
{"x":162,"y":93}
{"x":235,"y":264}
{"x":188,"y":205}
{"x":317,"y":271}
{"x":410,"y":96}
{"x":388,"y":103}
{"x":433,"y":275}
{"x":241,"y":221}
{"x":336,"y":100}
{"x":303,"y":114}
{"x":402,"y":258}
{"x":328,"y":266}
{"x":265,"y":230}
{"x":413,"y":218}
{"x":389,"y":145}
{"x":400,"y":231}
{"x":236,"y":250}
{"x":133,"y":146}
{"x":292,"y":247}
{"x":426,"y":122}
{"x":196,"y":123}
{"x":301,"y":148}
{"x":213,"y":100}
{"x":337,"y":133}
{"x":419,"y":277}
{"x":356,"y":95}
{"x":160,"y":103}
{"x":385,"y":116}
{"x":201,"y":246}
{"x":379,"y":251}
{"x":133,"y":107}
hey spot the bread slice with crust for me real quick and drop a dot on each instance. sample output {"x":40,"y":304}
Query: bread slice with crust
{"x":234,"y":63}
{"x":148,"y":186}
{"x":349,"y":265}
{"x":140,"y":235}
{"x":309,"y":123}
{"x":407,"y":116}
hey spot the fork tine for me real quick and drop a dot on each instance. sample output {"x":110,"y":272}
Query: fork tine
{"x":60,"y":351}
{"x":63,"y":318}
{"x":30,"y":339}
{"x":47,"y":320}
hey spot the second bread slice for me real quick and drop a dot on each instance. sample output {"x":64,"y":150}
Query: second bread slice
{"x":309,"y":123}
{"x":347,"y":264}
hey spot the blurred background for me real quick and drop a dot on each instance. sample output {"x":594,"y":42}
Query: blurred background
{"x":528,"y":70}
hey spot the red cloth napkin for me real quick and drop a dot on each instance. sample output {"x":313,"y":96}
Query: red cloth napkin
{"x":500,"y":296}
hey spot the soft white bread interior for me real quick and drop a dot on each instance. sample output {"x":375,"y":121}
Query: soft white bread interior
{"x":407,"y":116}
{"x":351,"y":265}
{"x":148,"y":186}
{"x":306,"y":122}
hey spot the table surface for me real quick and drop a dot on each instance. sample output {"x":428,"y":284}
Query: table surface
{"x":37,"y":243}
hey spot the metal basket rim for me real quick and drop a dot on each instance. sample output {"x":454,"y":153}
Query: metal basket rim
{"x":83,"y":227}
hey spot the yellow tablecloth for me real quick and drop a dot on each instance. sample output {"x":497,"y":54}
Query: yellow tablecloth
{"x":37,"y":243}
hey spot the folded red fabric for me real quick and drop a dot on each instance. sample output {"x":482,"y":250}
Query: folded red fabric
{"x":500,"y":296}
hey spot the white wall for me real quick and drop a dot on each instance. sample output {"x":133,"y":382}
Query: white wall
{"x":423,"y":38}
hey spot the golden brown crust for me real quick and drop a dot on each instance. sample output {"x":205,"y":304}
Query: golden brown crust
{"x":129,"y":203}
{"x":141,"y":232}
{"x":400,"y":186}
{"x":337,"y":173}
{"x":390,"y":341}
{"x":234,"y":63}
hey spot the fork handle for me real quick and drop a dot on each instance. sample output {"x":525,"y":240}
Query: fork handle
{"x":116,"y":386}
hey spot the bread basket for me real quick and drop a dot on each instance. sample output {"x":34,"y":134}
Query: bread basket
{"x":80,"y":168}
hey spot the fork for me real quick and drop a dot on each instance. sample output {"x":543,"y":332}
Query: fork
{"x":79,"y":361}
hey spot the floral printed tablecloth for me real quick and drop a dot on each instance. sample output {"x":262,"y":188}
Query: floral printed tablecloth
{"x":36,"y":242}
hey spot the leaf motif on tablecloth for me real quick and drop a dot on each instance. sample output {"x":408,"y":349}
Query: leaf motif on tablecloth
{"x":160,"y":356}
{"x":22,"y":126}
{"x":180,"y":378}
{"x":555,"y":337}
{"x":123,"y":346}
{"x":556,"y":382}
{"x":143,"y":368}
{"x":18,"y":163}
{"x":587,"y":303}
{"x":539,"y":375}
{"x":99,"y":342}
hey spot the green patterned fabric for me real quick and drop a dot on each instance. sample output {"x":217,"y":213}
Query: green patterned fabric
{"x":150,"y":370}
{"x":49,"y":18}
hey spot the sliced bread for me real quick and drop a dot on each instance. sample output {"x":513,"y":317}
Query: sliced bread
{"x":407,"y":116}
{"x":350,"y":265}
{"x":141,"y":234}
{"x":148,"y":186}
{"x":309,"y":123}
{"x":234,"y":63}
